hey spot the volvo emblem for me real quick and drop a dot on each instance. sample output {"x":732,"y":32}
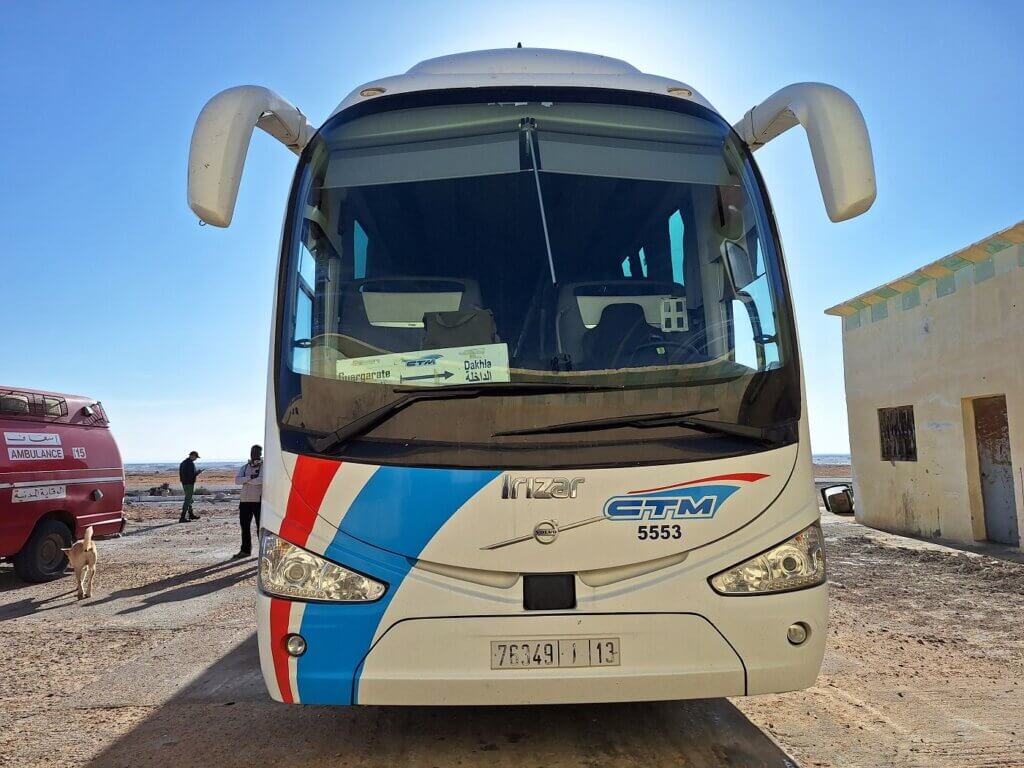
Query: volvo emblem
{"x":546,"y":531}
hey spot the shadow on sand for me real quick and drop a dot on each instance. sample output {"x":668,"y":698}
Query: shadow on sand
{"x":224,"y":718}
{"x":181,"y":586}
{"x":31,"y":605}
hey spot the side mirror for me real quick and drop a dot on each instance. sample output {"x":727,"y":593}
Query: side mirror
{"x":221,"y":139}
{"x":838,"y":137}
{"x":838,"y":499}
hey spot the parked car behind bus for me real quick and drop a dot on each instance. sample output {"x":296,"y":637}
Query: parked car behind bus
{"x":60,"y":472}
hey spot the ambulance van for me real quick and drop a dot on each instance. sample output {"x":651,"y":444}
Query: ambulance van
{"x":60,"y":472}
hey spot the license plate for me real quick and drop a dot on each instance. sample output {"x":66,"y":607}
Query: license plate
{"x":538,"y":654}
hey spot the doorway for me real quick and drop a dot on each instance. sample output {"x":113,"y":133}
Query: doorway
{"x":992,"y":431}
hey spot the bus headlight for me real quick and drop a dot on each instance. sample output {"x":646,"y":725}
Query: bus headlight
{"x":290,"y":571}
{"x":794,"y":564}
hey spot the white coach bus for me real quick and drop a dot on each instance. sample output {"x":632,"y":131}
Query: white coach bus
{"x":535,"y":424}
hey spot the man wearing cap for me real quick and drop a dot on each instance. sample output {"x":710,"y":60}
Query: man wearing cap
{"x":188,"y":473}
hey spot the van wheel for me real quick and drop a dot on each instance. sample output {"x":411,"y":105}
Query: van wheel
{"x":41,"y":559}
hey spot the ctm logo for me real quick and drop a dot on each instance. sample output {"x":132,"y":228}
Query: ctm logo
{"x":693,"y":500}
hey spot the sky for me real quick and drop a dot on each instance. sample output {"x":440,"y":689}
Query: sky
{"x":108,"y":286}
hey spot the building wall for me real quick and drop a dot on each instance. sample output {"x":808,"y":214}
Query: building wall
{"x":936,"y":348}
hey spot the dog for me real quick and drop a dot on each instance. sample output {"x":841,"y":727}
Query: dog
{"x":82,"y":556}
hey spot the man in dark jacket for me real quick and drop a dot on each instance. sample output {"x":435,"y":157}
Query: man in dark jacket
{"x":188,"y":473}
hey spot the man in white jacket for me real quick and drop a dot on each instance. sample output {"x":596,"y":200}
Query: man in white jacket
{"x":250,"y":477}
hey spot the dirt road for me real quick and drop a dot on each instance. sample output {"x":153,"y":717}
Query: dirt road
{"x":159,"y":669}
{"x":924,"y":664}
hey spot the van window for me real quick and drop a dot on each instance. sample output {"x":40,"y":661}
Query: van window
{"x":32,"y":404}
{"x":16,"y":404}
{"x":54,"y":406}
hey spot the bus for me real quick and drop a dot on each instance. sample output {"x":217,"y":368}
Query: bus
{"x":535,"y":427}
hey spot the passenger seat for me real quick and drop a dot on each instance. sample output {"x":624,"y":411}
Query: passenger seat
{"x":611,"y":343}
{"x":393,"y":321}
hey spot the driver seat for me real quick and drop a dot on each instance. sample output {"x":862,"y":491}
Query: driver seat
{"x":621,"y":329}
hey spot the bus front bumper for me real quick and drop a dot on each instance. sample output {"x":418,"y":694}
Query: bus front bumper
{"x":449,"y":661}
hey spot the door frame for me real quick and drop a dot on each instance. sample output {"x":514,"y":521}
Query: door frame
{"x":974,"y":491}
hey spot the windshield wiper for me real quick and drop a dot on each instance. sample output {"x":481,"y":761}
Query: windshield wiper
{"x":528,"y":125}
{"x":686,"y":419}
{"x":332,"y":441}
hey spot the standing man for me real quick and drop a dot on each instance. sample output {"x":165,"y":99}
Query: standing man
{"x":250,"y":477}
{"x":187,"y":474}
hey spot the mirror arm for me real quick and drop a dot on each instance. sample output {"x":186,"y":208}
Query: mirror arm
{"x":837,"y":135}
{"x":220,"y":142}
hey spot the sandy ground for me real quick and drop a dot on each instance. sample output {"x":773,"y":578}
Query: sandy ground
{"x":832,"y":470}
{"x":210,"y":478}
{"x":923,"y":668}
{"x":924,"y":664}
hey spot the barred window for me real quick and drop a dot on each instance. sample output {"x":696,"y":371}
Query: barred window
{"x":17,"y":403}
{"x":896,"y":428}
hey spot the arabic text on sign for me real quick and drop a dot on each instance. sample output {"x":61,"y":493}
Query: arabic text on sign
{"x":39,"y":493}
{"x":31,"y":438}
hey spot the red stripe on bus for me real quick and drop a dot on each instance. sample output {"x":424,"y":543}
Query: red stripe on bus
{"x":747,"y":477}
{"x":310,"y":481}
{"x":280,"y":610}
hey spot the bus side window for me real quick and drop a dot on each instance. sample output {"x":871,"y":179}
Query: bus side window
{"x":303,"y":325}
{"x":675,"y":236}
{"x":661,"y":255}
{"x":753,"y":317}
{"x":635,"y":265}
{"x":745,"y":352}
{"x":360,"y":245}
{"x":759,"y":292}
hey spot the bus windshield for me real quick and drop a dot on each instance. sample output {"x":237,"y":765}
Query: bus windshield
{"x":621,"y":255}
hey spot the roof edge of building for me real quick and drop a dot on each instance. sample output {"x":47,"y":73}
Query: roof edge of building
{"x":947,"y":265}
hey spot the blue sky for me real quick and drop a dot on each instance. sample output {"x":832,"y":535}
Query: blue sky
{"x":110,"y":287}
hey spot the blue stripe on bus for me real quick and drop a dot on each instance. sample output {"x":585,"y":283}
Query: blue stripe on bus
{"x":399,"y":509}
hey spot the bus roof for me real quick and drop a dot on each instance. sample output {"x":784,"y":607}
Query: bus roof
{"x":522,"y":66}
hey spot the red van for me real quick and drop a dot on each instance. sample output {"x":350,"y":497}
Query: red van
{"x":60,"y":472}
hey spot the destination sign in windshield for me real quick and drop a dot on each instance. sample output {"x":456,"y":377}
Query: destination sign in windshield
{"x":479,"y":364}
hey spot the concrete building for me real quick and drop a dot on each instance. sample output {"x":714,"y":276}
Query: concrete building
{"x":934,"y":365}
